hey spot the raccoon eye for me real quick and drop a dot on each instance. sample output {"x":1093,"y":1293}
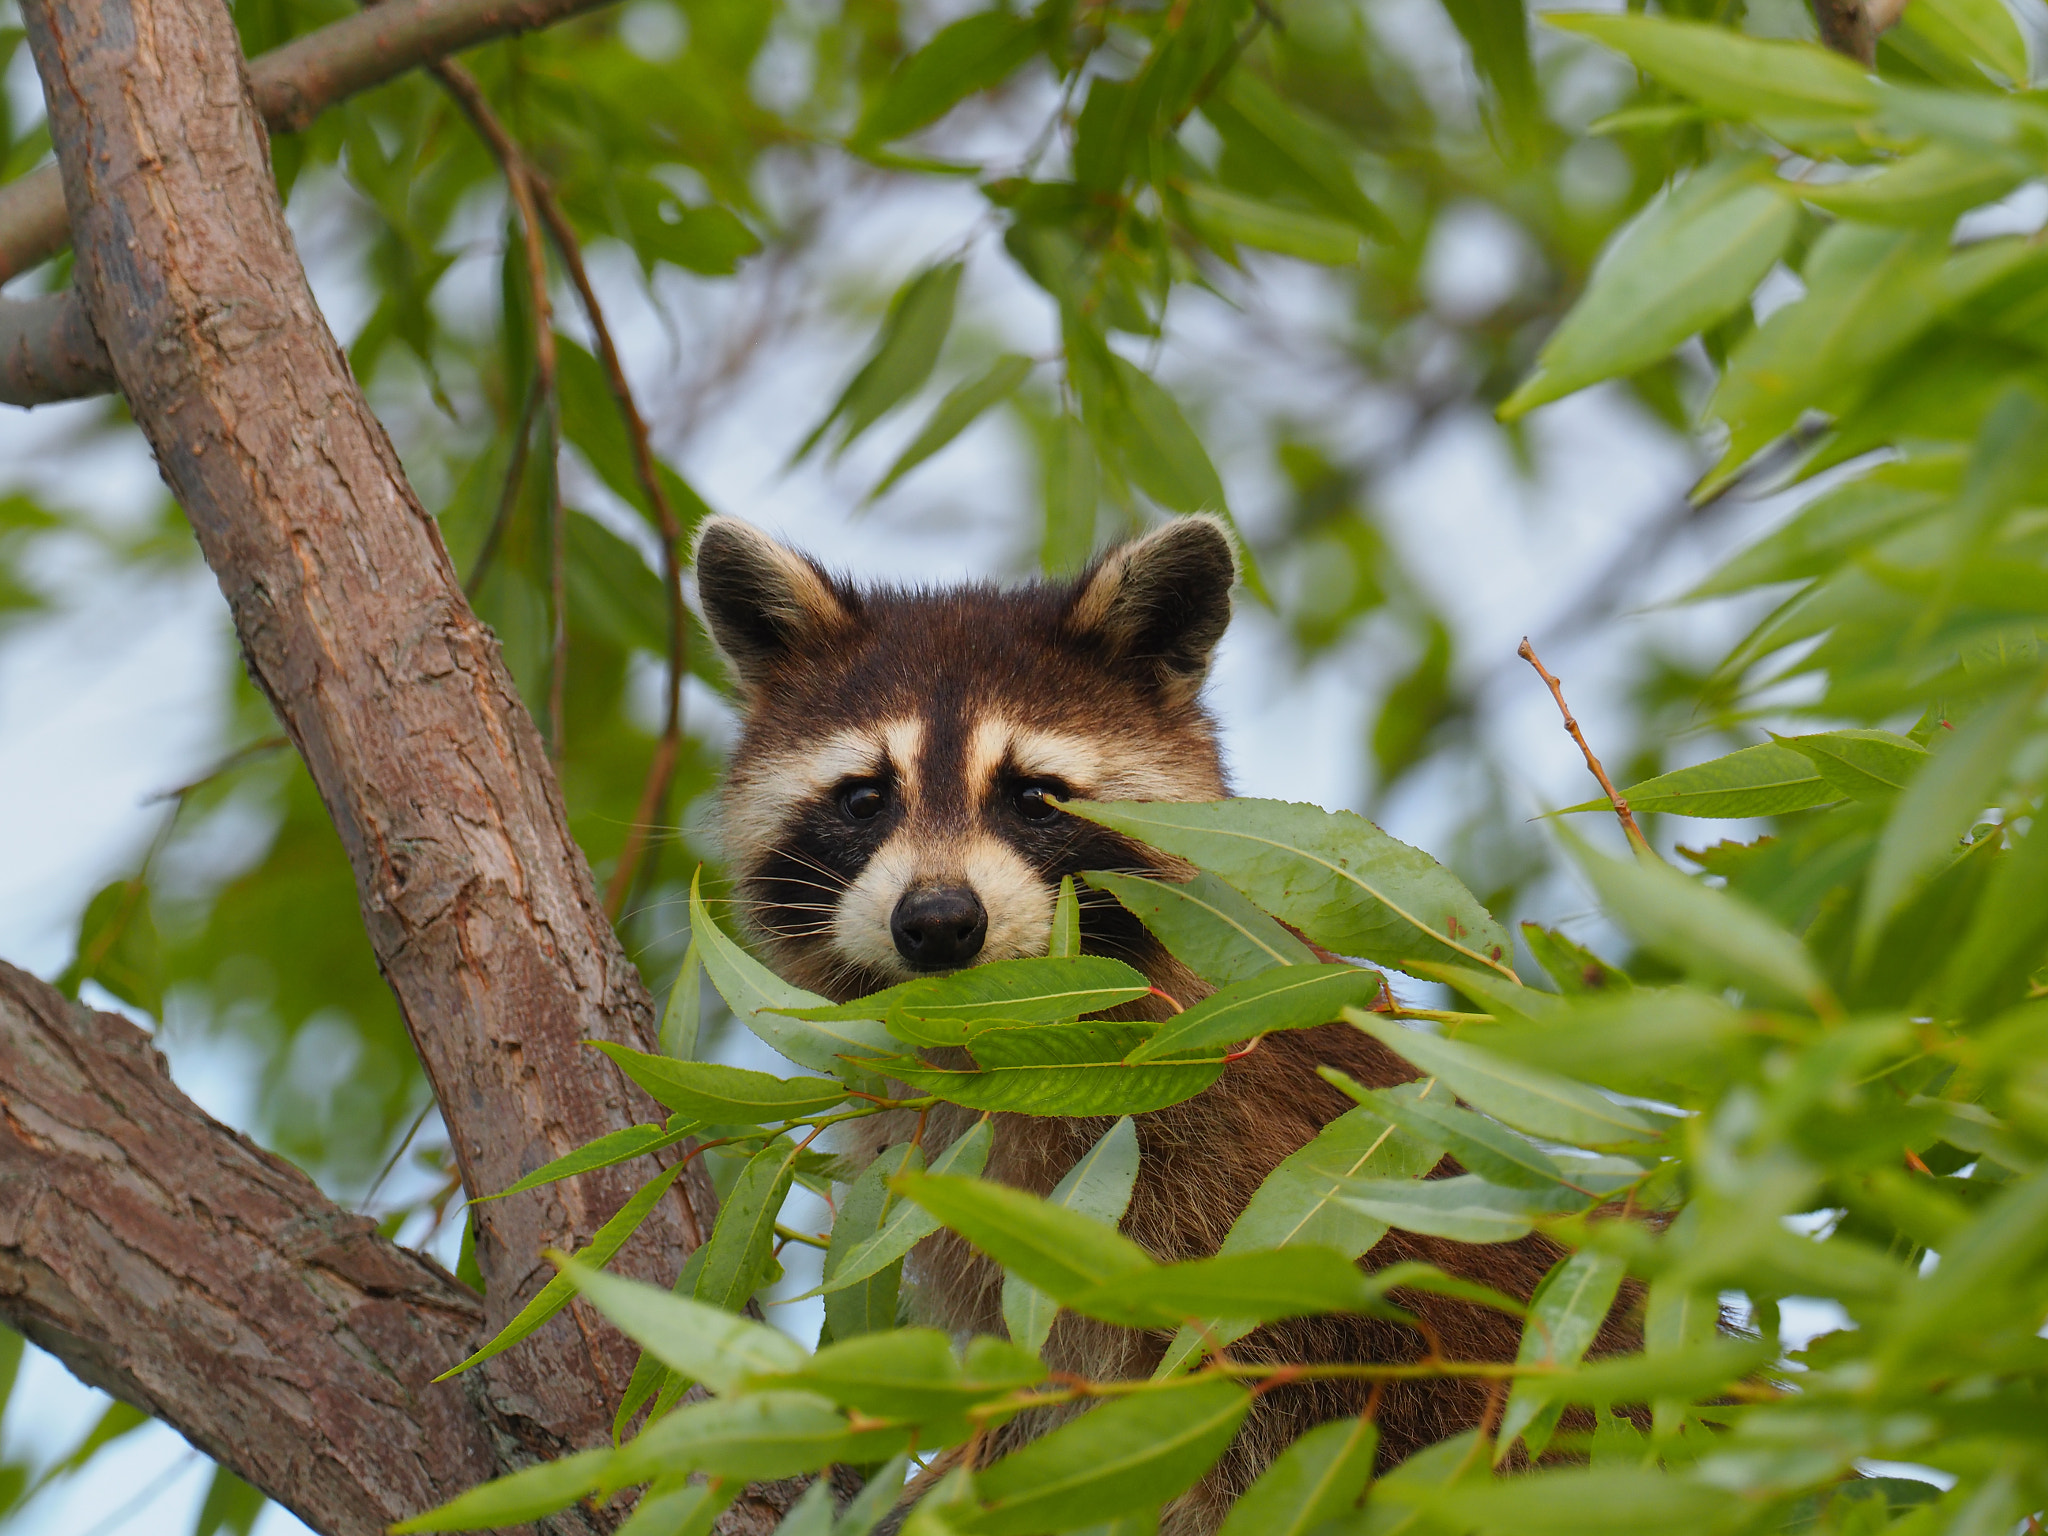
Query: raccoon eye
{"x":1034,"y":802}
{"x":862,"y":802}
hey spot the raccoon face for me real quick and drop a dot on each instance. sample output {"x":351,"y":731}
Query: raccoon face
{"x":889,"y":809}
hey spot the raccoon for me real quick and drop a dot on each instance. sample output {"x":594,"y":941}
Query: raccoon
{"x":888,"y":812}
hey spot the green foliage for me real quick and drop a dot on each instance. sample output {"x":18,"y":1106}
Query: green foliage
{"x":1837,"y":1023}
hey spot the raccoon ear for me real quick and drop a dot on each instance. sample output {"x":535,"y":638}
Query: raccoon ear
{"x":1160,"y":603}
{"x":762,"y":601}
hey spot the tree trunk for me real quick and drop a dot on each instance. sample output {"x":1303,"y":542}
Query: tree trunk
{"x":479,"y":906}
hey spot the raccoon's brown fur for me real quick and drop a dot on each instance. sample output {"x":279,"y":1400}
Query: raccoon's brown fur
{"x":951,"y":706}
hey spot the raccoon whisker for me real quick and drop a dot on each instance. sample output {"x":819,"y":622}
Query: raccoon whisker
{"x":798,"y":856}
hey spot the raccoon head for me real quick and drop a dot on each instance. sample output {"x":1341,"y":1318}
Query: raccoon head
{"x":887,"y":811}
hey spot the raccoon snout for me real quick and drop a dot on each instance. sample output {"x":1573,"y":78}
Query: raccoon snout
{"x":939,"y":927}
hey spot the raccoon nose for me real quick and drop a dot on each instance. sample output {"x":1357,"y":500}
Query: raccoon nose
{"x":939,"y":927}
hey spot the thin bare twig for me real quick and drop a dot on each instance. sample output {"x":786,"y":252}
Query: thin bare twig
{"x":1627,"y":817}
{"x":508,"y":497}
{"x":519,"y":181}
{"x":661,"y":768}
{"x":540,"y":208}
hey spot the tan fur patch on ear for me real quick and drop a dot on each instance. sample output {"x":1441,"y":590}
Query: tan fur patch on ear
{"x":1158,"y":605}
{"x":761,"y":599}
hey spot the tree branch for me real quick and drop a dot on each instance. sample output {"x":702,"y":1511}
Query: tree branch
{"x":49,"y":351}
{"x":295,"y":83}
{"x":479,"y":906}
{"x":166,"y":1259}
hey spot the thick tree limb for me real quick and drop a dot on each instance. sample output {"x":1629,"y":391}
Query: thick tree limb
{"x":295,"y":83}
{"x":479,"y":906}
{"x":49,"y":351}
{"x":166,"y":1259}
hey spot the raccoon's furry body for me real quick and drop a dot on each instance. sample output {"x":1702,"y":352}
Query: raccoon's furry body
{"x":884,"y":814}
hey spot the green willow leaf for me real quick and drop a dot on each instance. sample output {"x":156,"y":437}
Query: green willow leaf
{"x":867,"y":1304}
{"x":1939,"y":806}
{"x":706,"y":1343}
{"x":1064,"y":940}
{"x":1967,"y":32}
{"x":1228,"y":219}
{"x":1732,"y":75}
{"x":1684,"y":264}
{"x":677,"y":1507}
{"x":970,"y":55}
{"x":1715,"y":935}
{"x":605,"y":1152}
{"x":685,"y":1012}
{"x":760,"y":1000}
{"x":1098,"y":1186}
{"x":1334,"y":875}
{"x":1061,"y":1252}
{"x":1869,"y":291}
{"x":1161,"y":452}
{"x":559,"y":1291}
{"x":1492,"y":1151}
{"x":1862,"y":765}
{"x":1119,"y":1458}
{"x":1577,"y":971}
{"x":1299,"y":1205}
{"x":1059,"y":1069}
{"x":1002,"y":993}
{"x":1264,"y":1287}
{"x":911,"y":1374}
{"x":1590,"y":1501}
{"x":904,"y":1224}
{"x":517,"y":1497}
{"x":1767,"y":780}
{"x":1929,"y":186}
{"x":1206,"y":924}
{"x":715,"y":1094}
{"x":1565,"y":1317}
{"x":1288,"y":150}
{"x":1465,"y":1210}
{"x":905,"y":352}
{"x":1316,"y":1479}
{"x":961,"y":408}
{"x":1298,"y":997}
{"x":1526,"y":1097}
{"x":752,"y":1437}
{"x":737,"y":1253}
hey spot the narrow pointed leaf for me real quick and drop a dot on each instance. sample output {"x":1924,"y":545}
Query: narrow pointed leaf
{"x":1097,"y":1186}
{"x":961,"y":408}
{"x":558,"y":1292}
{"x":970,"y":55}
{"x":757,"y":997}
{"x":1297,"y":997}
{"x":1064,"y":941}
{"x":1732,"y":75}
{"x":1121,"y":1457}
{"x":1061,"y":1252}
{"x":517,"y":1497}
{"x":1488,"y":1149}
{"x":605,"y":1152}
{"x":1059,"y":1069}
{"x":904,"y":1223}
{"x":1686,"y":263}
{"x":1264,"y":1287}
{"x":1715,"y":935}
{"x":1565,"y":1316}
{"x":1334,"y":875}
{"x":685,"y":1011}
{"x":706,"y":1343}
{"x":1524,"y":1096}
{"x":715,"y":1094}
{"x":1766,"y":780}
{"x":1864,"y":765}
{"x":867,"y":1304}
{"x":737,"y":1252}
{"x":1465,"y":1210}
{"x":1002,"y":992}
{"x":1206,"y":924}
{"x":1316,"y":1479}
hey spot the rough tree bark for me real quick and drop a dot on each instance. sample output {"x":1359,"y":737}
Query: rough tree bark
{"x":479,"y":906}
{"x":170,"y":1262}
